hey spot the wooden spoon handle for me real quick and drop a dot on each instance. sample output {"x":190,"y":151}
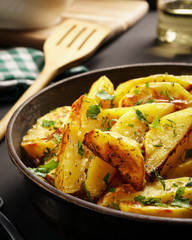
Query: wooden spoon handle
{"x":43,"y":79}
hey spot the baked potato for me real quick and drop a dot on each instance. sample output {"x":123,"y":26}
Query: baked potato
{"x":122,"y":153}
{"x":164,"y":145}
{"x":44,"y":137}
{"x":135,"y":122}
{"x":128,"y":148}
{"x":157,"y":92}
{"x":73,"y":158}
{"x":102,"y":91}
{"x":124,"y":88}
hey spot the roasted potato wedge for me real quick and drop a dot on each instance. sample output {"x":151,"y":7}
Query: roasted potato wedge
{"x":73,"y":158}
{"x":122,"y":153}
{"x":123,"y":88}
{"x":86,"y":114}
{"x":133,"y":126}
{"x":125,"y":193}
{"x":43,"y":138}
{"x":172,"y":212}
{"x":163,"y":146}
{"x":102,"y":91}
{"x":157,"y":92}
{"x":96,"y":173}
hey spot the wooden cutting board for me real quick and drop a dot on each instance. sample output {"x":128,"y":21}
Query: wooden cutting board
{"x":118,"y":15}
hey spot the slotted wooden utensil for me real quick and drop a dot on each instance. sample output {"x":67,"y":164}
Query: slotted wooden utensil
{"x":73,"y":41}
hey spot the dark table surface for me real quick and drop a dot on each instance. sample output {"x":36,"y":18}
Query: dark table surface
{"x":138,"y":45}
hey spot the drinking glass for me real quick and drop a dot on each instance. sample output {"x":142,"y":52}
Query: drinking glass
{"x":175,"y":21}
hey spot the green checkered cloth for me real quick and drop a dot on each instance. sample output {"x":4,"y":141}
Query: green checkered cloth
{"x":19,"y":67}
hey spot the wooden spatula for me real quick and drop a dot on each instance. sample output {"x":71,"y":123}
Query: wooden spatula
{"x":73,"y":41}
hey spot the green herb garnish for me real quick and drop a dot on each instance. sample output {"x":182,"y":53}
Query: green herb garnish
{"x":80,"y":148}
{"x":189,"y":184}
{"x":155,"y":123}
{"x":42,"y":170}
{"x":149,"y":201}
{"x":140,"y":116}
{"x":106,"y":181}
{"x":179,"y":200}
{"x":93,"y":111}
{"x":104,"y":95}
{"x":87,"y":193}
{"x":136,"y":91}
{"x":160,"y":179}
{"x":57,"y":138}
{"x":48,"y":123}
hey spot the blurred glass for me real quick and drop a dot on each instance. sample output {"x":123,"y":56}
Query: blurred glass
{"x":175,"y":21}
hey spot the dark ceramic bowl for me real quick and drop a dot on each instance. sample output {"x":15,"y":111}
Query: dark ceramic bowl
{"x":74,"y":217}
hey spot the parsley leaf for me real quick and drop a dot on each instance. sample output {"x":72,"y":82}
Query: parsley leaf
{"x":104,"y":95}
{"x":189,"y":184}
{"x":155,"y":123}
{"x":136,"y":91}
{"x":48,"y":123}
{"x":88,"y":193}
{"x":42,"y":170}
{"x":80,"y":148}
{"x":93,"y":111}
{"x":160,"y":179}
{"x":140,"y":116}
{"x":149,"y":201}
{"x":57,"y":138}
{"x":106,"y":181}
{"x":179,"y":200}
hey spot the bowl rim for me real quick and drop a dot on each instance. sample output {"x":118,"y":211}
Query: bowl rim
{"x":67,"y":197}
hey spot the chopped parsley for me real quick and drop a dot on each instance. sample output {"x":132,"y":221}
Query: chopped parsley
{"x":42,"y":170}
{"x":147,"y":84}
{"x":149,"y":201}
{"x":160,"y":179}
{"x":57,"y":138}
{"x":80,"y":148}
{"x":104,"y":95}
{"x":155,"y":123}
{"x":136,"y":91}
{"x":150,"y":101}
{"x":189,"y":184}
{"x":158,"y":145}
{"x":179,"y":200}
{"x":169,"y":97}
{"x":48,"y":123}
{"x":138,"y":102}
{"x":106,"y":181}
{"x":93,"y":111}
{"x":87,"y":193}
{"x":140,"y":116}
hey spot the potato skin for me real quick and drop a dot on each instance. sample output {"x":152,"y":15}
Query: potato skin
{"x":123,"y":88}
{"x":163,"y":147}
{"x":96,"y":172}
{"x":39,"y":138}
{"x":130,"y":126}
{"x":70,"y":173}
{"x":125,"y":193}
{"x":157,"y":92}
{"x":124,"y":155}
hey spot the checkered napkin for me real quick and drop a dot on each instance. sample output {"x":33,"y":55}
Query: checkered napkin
{"x":19,"y":67}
